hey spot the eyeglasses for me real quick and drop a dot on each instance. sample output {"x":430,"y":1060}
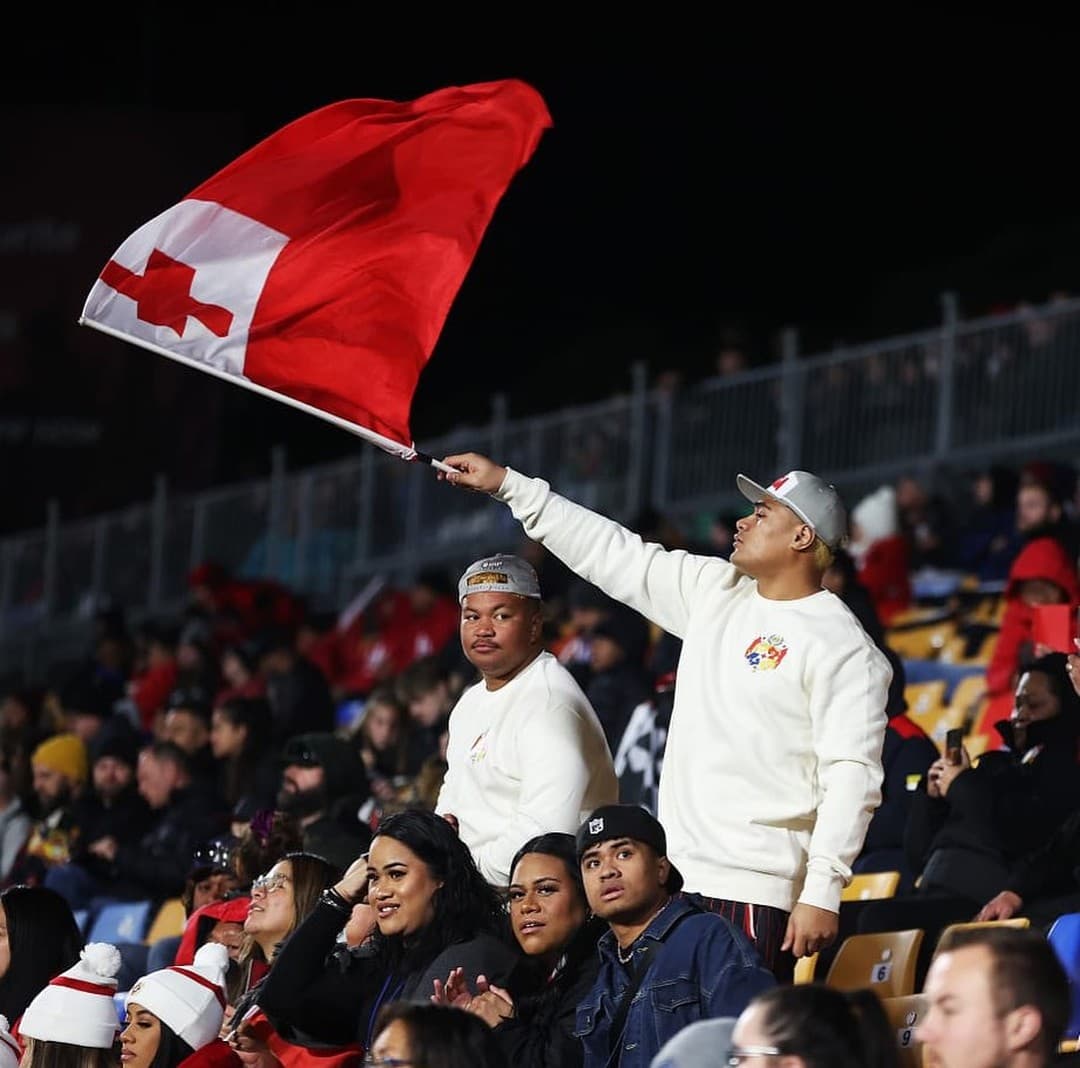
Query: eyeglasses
{"x":737,"y":1054}
{"x":384,"y":1062}
{"x":267,"y":884}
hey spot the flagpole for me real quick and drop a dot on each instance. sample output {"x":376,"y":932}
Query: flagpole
{"x":395,"y":448}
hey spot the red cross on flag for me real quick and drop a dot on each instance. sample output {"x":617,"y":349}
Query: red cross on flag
{"x":319,"y":267}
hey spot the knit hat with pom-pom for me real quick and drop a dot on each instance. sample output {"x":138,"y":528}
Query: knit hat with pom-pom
{"x":9,"y":1048}
{"x":188,"y":999}
{"x":77,"y":1006}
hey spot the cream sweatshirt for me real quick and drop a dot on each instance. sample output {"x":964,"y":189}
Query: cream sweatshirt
{"x":773,"y":760}
{"x":522,"y":760}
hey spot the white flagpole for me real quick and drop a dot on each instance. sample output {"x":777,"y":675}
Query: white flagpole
{"x":395,"y":448}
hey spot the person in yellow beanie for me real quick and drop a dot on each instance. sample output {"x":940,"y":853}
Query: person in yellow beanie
{"x":60,"y":768}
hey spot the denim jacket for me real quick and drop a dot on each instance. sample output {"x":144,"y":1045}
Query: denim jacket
{"x":701,"y":968}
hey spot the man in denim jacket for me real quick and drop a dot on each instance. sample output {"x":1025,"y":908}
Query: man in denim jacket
{"x":696,"y":965}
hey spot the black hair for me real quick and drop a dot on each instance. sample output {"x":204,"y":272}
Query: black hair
{"x":239,"y":772}
{"x":465,"y":905}
{"x":44,"y":940}
{"x":1053,"y":666}
{"x":828,"y":1028}
{"x":172,"y":1049}
{"x":581,"y":947}
{"x":444,"y":1037}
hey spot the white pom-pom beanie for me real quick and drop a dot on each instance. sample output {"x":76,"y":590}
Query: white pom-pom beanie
{"x":189,"y":999}
{"x":9,"y":1048}
{"x":77,"y":1007}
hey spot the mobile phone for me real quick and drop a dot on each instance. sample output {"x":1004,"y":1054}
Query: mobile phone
{"x":954,"y":740}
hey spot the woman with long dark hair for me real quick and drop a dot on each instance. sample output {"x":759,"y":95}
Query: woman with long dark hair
{"x":39,"y":939}
{"x":433,"y":912}
{"x":549,"y":917}
{"x":240,"y":738}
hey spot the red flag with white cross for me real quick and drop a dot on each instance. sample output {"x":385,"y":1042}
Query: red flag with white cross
{"x":319,"y":267}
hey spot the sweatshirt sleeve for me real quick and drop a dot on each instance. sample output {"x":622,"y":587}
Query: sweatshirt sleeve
{"x":553,"y":743}
{"x":848,"y":694}
{"x":658,"y":583}
{"x":303,"y":992}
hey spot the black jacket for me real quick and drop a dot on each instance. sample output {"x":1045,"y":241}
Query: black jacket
{"x":314,"y":995}
{"x":998,"y":811}
{"x":157,"y":865}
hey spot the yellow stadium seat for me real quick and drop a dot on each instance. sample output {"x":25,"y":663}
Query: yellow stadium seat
{"x":969,"y":698}
{"x":168,"y":921}
{"x":882,"y":961}
{"x":920,"y":643}
{"x":905,"y":1014}
{"x":871,"y":886}
{"x":1016,"y":921}
{"x":805,"y":968}
{"x":938,"y":722}
{"x":925,"y":702}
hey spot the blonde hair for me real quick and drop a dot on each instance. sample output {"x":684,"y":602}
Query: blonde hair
{"x":823,"y":555}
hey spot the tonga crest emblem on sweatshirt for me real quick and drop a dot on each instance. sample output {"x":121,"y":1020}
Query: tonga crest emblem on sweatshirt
{"x":766,"y":652}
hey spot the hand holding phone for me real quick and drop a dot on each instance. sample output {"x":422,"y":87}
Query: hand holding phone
{"x":954,"y":742}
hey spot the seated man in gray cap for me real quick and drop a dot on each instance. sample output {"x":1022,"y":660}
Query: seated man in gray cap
{"x":665,"y":963}
{"x":772,"y":765}
{"x":526,"y":753}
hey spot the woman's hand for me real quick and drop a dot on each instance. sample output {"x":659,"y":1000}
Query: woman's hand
{"x":493,"y":1005}
{"x":454,"y":992}
{"x":942,"y":774}
{"x":353,"y":884}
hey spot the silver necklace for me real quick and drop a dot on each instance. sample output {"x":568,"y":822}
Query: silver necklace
{"x":633,"y":945}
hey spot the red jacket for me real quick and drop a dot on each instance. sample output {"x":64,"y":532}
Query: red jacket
{"x":215,"y":1054}
{"x":1042,"y":558}
{"x":884,"y":573}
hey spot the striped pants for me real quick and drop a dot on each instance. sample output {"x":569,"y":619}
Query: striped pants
{"x":763,"y":925}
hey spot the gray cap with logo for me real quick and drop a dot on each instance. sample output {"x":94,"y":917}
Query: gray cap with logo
{"x":812,"y":499}
{"x":501,"y":573}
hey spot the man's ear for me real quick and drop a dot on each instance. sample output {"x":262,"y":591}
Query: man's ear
{"x":803,"y":538}
{"x":663,"y":871}
{"x":1023,"y":1026}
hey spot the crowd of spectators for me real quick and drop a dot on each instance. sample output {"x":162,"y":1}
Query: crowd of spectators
{"x":250,"y":744}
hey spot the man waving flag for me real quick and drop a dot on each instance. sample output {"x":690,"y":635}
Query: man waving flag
{"x":320,"y":266}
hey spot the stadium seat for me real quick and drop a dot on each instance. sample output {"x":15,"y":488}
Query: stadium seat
{"x":904,"y":1014}
{"x":920,"y":643}
{"x":926,"y":703}
{"x":1016,"y":921}
{"x":937,"y":722}
{"x":882,"y":961}
{"x":871,"y":886}
{"x":123,"y":921}
{"x":168,"y":921}
{"x":968,"y":699}
{"x":1064,"y":937}
{"x":805,"y":968}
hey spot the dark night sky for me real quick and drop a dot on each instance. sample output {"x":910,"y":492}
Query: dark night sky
{"x":699,"y":175}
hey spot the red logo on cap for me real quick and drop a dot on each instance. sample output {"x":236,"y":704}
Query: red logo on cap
{"x":779,"y":482}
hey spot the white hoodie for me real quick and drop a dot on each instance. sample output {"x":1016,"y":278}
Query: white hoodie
{"x":773,"y":761}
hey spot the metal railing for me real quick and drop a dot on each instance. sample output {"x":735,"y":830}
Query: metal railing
{"x":958,"y":395}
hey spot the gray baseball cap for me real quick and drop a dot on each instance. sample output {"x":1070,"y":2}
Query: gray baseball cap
{"x":812,"y":499}
{"x":501,"y":573}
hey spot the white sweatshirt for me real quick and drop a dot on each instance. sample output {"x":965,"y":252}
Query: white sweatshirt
{"x":522,"y":760}
{"x":773,"y":760}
